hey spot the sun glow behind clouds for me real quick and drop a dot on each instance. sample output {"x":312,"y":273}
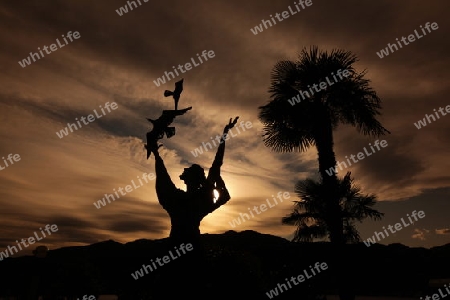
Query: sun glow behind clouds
{"x":216,"y":195}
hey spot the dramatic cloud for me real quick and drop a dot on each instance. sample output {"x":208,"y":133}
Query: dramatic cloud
{"x":117,"y":58}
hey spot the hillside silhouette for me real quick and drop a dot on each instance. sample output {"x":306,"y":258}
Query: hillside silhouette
{"x":239,"y":264}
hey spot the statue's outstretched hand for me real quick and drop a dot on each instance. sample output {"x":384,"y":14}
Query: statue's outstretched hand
{"x":230,"y":124}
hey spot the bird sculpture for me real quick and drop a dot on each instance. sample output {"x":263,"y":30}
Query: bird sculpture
{"x":176,"y":92}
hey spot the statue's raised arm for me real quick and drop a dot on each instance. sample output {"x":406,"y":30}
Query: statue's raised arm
{"x":214,"y":172}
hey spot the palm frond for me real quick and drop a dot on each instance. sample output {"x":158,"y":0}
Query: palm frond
{"x":309,"y":212}
{"x":349,"y":101}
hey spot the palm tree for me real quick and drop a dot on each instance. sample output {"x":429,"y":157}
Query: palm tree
{"x":308,"y":216}
{"x":311,"y":122}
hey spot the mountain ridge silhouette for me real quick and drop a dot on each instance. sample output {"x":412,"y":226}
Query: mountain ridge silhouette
{"x":248,"y":263}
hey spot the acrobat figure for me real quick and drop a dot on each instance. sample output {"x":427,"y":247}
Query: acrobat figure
{"x":187,"y":208}
{"x":161,"y":126}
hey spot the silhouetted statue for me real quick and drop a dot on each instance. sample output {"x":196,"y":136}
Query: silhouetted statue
{"x":187,"y":208}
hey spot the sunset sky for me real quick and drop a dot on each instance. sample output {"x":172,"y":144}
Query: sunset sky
{"x":117,"y":58}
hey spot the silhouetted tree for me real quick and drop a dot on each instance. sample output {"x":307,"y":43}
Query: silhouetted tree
{"x":308,"y":215}
{"x":311,"y":122}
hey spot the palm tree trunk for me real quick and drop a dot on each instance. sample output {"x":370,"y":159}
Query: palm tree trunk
{"x":327,"y":160}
